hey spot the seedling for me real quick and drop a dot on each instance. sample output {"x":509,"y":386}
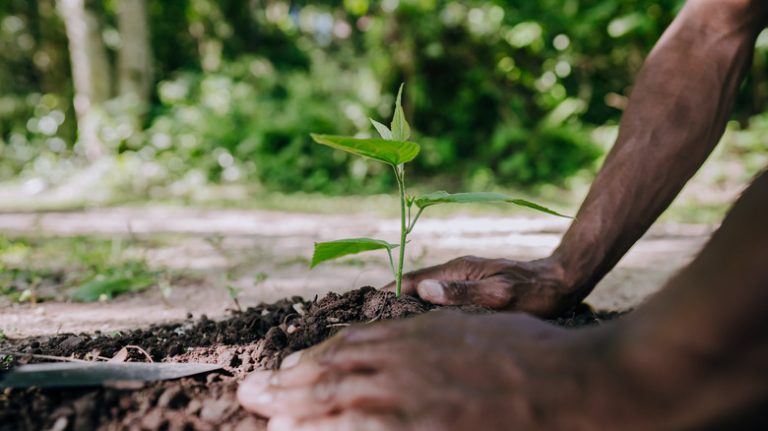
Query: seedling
{"x":234,"y":294}
{"x":395,"y":150}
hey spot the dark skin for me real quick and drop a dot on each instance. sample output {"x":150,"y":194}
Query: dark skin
{"x":676,"y":115}
{"x":693,"y":355}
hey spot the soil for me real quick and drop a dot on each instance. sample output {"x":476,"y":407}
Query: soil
{"x":256,"y":338}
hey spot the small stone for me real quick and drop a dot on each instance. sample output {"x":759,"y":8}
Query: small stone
{"x":71,"y":343}
{"x":212,"y":378}
{"x":194,"y":406}
{"x":216,"y":410}
{"x":153,"y":420}
{"x":173,"y":398}
{"x":248,"y":424}
{"x":299,"y":307}
{"x":226,"y":358}
{"x":60,"y":424}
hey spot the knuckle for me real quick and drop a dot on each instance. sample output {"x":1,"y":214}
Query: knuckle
{"x":465,"y":260}
{"x":325,"y":354}
{"x":497,"y":299}
{"x":324,"y":391}
{"x":454,"y":289}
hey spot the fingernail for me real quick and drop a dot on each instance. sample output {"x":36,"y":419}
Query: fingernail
{"x":431,"y":290}
{"x":263,"y":398}
{"x":253,"y":390}
{"x":291,"y":360}
{"x":281,"y":423}
{"x":260,"y":378}
{"x":274,"y":380}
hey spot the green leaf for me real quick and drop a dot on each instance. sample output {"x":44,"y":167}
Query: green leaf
{"x":392,"y":152}
{"x":466,"y":198}
{"x":335,"y":249}
{"x":401,"y":131}
{"x":94,"y":290}
{"x":382,"y":129}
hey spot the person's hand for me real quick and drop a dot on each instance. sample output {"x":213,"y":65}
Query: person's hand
{"x":536,"y":287}
{"x":441,"y":371}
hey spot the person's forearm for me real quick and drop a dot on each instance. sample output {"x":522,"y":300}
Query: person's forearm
{"x":676,"y":115}
{"x":699,"y":348}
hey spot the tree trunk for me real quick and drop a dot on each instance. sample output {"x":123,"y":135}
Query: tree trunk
{"x":90,"y":72}
{"x":134,"y":64}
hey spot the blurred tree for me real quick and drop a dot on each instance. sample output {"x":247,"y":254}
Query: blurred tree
{"x":500,"y":92}
{"x":134,"y":67}
{"x":90,"y":72}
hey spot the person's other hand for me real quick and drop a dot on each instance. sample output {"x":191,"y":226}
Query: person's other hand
{"x":440,"y":371}
{"x":536,"y":287}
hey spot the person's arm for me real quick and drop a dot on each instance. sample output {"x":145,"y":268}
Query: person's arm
{"x":698,"y":349}
{"x":677,"y":112}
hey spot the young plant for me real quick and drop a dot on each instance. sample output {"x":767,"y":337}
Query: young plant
{"x":395,"y":150}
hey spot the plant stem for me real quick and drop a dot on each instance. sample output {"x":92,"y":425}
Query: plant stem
{"x":400,"y":175}
{"x":392,"y":263}
{"x":413,"y":222}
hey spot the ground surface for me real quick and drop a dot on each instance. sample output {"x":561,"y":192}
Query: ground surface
{"x":193,"y":255}
{"x":214,"y":249}
{"x":257,"y":338}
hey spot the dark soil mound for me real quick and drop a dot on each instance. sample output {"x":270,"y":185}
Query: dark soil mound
{"x":258,"y":337}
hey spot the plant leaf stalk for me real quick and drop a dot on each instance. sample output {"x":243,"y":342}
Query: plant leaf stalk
{"x":400,"y":175}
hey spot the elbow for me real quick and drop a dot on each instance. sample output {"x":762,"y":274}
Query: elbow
{"x":731,"y":16}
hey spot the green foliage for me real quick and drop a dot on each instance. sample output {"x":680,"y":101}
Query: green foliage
{"x":400,"y":129}
{"x":392,"y":152}
{"x":477,"y":197}
{"x":325,"y":251}
{"x":396,"y":151}
{"x":256,"y":125}
{"x":35,"y":269}
{"x":500,"y":92}
{"x":383,"y":130}
{"x":101,"y":289}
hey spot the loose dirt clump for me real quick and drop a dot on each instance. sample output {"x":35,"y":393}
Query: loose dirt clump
{"x":256,"y":338}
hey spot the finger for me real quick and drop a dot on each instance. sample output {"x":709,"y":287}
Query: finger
{"x":491,"y":292}
{"x":336,"y":357}
{"x":333,"y":393}
{"x":412,"y":279}
{"x":462,"y":268}
{"x":345,"y":421}
{"x":381,"y":331}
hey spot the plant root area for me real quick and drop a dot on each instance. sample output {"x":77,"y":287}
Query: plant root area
{"x":256,"y":338}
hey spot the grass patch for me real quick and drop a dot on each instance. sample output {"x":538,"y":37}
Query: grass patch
{"x":80,"y":268}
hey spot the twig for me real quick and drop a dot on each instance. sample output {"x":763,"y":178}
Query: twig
{"x":334,"y":325}
{"x":144,"y":352}
{"x":378,"y":316}
{"x":49,"y":357}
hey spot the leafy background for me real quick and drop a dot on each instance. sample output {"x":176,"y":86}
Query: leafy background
{"x":499,"y":93}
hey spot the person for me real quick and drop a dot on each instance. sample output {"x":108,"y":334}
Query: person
{"x":694,"y":356}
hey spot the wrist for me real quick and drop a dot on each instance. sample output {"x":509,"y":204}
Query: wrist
{"x":551,"y":292}
{"x":569,"y":275}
